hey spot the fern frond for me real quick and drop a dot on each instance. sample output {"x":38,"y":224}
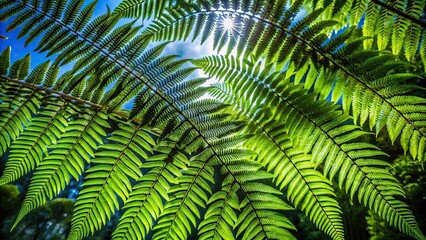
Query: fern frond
{"x":377,"y":92}
{"x":259,"y":217}
{"x":28,"y":150}
{"x":17,"y":105}
{"x":181,"y":211}
{"x":392,"y":22}
{"x":220,"y":215}
{"x":330,"y":142}
{"x":276,"y":153}
{"x":192,"y":191}
{"x":145,"y":203}
{"x":108,"y":178}
{"x":66,"y":159}
{"x":16,"y":114}
{"x":5,"y":61}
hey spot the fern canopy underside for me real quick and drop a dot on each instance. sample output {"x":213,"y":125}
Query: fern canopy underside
{"x":298,"y":85}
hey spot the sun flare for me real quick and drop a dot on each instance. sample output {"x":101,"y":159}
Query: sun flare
{"x":228,"y":23}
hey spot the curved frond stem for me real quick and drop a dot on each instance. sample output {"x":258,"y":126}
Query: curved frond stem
{"x":123,"y":114}
{"x":48,"y":90}
{"x":68,"y":97}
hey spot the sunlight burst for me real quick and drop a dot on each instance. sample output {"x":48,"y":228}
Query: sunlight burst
{"x":228,"y":23}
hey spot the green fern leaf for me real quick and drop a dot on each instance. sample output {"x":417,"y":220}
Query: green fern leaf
{"x":28,"y":150}
{"x":144,"y":204}
{"x":220,"y":215}
{"x":16,"y":113}
{"x":66,"y":159}
{"x":113,"y":164}
{"x":5,"y":61}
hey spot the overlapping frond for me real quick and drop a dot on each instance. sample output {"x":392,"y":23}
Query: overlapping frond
{"x":262,"y":210}
{"x":306,"y":46}
{"x":372,"y":89}
{"x":181,"y":211}
{"x":66,"y":159}
{"x":396,"y":25}
{"x":31,"y":146}
{"x":220,"y":217}
{"x":316,"y":127}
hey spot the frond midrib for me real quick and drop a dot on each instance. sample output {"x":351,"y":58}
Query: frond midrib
{"x":194,"y":179}
{"x":54,"y":92}
{"x":222,"y":207}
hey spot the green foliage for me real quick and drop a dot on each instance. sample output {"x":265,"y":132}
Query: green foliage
{"x":394,"y":25}
{"x":284,"y":121}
